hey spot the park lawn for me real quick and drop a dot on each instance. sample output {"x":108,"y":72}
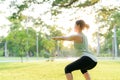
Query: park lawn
{"x":105,"y":70}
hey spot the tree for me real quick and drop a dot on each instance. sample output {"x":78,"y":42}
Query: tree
{"x":19,"y":19}
{"x":108,"y":18}
{"x":17,"y":41}
{"x":70,"y":3}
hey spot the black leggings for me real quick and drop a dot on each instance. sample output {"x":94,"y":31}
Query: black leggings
{"x":84,"y":63}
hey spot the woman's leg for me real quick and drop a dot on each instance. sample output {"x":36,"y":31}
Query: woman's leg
{"x":69,"y":76}
{"x":83,"y":64}
{"x":87,"y":76}
{"x":88,"y":64}
{"x":71,"y":67}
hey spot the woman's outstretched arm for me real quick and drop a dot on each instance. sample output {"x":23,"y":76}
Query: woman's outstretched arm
{"x":68,"y":38}
{"x":61,"y":38}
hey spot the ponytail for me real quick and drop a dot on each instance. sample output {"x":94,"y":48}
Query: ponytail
{"x":82,"y":24}
{"x":87,"y":26}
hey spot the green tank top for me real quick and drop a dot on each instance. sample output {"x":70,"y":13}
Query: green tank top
{"x":83,"y":46}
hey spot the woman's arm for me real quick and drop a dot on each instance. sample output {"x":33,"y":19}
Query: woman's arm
{"x":61,"y":38}
{"x":69,"y":38}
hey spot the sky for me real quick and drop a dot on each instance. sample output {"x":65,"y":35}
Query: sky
{"x":65,"y":20}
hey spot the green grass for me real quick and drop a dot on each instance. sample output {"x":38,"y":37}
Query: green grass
{"x":105,"y":70}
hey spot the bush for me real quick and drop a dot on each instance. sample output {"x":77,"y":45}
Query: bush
{"x":45,"y":54}
{"x":1,"y":52}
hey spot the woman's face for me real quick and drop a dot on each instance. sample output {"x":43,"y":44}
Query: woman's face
{"x":77,"y":28}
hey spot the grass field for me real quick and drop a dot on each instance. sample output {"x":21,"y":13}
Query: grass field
{"x":105,"y":70}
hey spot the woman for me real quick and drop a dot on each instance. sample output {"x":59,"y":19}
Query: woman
{"x":87,"y":61}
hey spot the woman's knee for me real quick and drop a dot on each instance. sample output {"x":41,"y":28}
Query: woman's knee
{"x":68,"y":69}
{"x":83,"y":71}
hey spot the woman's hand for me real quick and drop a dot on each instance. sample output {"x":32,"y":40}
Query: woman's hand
{"x":54,"y":38}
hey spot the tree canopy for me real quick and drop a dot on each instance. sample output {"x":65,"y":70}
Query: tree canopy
{"x":28,"y":19}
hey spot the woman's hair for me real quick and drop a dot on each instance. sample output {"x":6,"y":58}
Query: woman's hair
{"x":82,"y":24}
